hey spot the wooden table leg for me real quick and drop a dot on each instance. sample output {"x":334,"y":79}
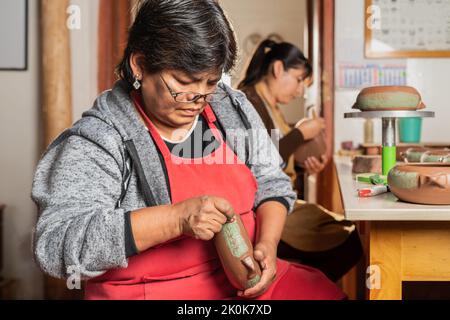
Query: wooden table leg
{"x":384,"y":280}
{"x":407,"y":251}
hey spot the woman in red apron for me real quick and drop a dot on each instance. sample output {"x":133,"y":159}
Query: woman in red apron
{"x":189,"y":268}
{"x":175,"y":57}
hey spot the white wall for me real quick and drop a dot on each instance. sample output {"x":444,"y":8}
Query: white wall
{"x":19,"y":149}
{"x":264,"y":17}
{"x":432,"y":78}
{"x":20,"y":139}
{"x":84,"y":58}
{"x":429,"y":76}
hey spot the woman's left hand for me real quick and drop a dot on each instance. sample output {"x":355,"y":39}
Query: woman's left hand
{"x":314,"y":166}
{"x":266,"y":254}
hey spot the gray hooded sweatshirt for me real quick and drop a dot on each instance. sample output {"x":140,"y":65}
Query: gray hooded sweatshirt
{"x":107,"y":164}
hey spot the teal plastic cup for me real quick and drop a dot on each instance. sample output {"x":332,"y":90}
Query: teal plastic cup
{"x":410,"y":130}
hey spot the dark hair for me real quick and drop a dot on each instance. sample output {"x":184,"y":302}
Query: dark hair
{"x":192,"y":36}
{"x":289,"y":54}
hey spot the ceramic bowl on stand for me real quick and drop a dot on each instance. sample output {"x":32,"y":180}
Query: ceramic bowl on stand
{"x":389,"y":98}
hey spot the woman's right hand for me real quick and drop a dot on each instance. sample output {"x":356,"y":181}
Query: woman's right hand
{"x":310,"y":128}
{"x":203,"y":217}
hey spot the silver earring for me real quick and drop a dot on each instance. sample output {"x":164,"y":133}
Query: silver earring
{"x":137,"y":83}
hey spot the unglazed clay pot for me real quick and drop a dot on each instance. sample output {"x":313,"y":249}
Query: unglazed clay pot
{"x":424,"y":183}
{"x":436,"y":156}
{"x":372,"y":150}
{"x":316,"y":147}
{"x":413,"y":154}
{"x":366,"y":164}
{"x":425,"y":155}
{"x":236,"y":254}
{"x":385,"y":98}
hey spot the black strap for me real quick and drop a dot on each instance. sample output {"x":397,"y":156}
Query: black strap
{"x":149,"y":198}
{"x":247,"y":125}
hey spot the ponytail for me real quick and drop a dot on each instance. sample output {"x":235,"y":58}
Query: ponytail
{"x":259,"y":65}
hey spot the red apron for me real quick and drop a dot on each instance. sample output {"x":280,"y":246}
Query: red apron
{"x":186,"y":268}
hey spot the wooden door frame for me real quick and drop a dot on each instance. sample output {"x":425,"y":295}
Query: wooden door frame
{"x":323,"y":19}
{"x":328,"y":191}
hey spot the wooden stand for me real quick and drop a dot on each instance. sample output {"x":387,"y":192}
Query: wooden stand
{"x":7,"y":286}
{"x":8,"y":290}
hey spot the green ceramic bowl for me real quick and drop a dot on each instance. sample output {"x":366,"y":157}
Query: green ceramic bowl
{"x":386,"y":98}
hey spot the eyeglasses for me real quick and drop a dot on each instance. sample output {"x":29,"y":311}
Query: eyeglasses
{"x":189,"y":97}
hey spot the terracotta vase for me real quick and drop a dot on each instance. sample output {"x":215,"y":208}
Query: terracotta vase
{"x":313,"y":148}
{"x":423,"y":183}
{"x":235,"y":251}
{"x":385,"y":98}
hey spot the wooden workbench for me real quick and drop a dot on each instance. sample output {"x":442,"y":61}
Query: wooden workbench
{"x":406,"y":242}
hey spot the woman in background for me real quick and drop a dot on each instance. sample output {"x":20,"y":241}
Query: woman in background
{"x":315,"y":236}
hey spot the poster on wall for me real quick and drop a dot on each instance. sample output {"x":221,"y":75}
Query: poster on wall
{"x":13,"y":35}
{"x":407,"y":28}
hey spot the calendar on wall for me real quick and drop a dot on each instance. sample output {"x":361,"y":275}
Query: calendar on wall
{"x":407,"y":28}
{"x":361,"y":75}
